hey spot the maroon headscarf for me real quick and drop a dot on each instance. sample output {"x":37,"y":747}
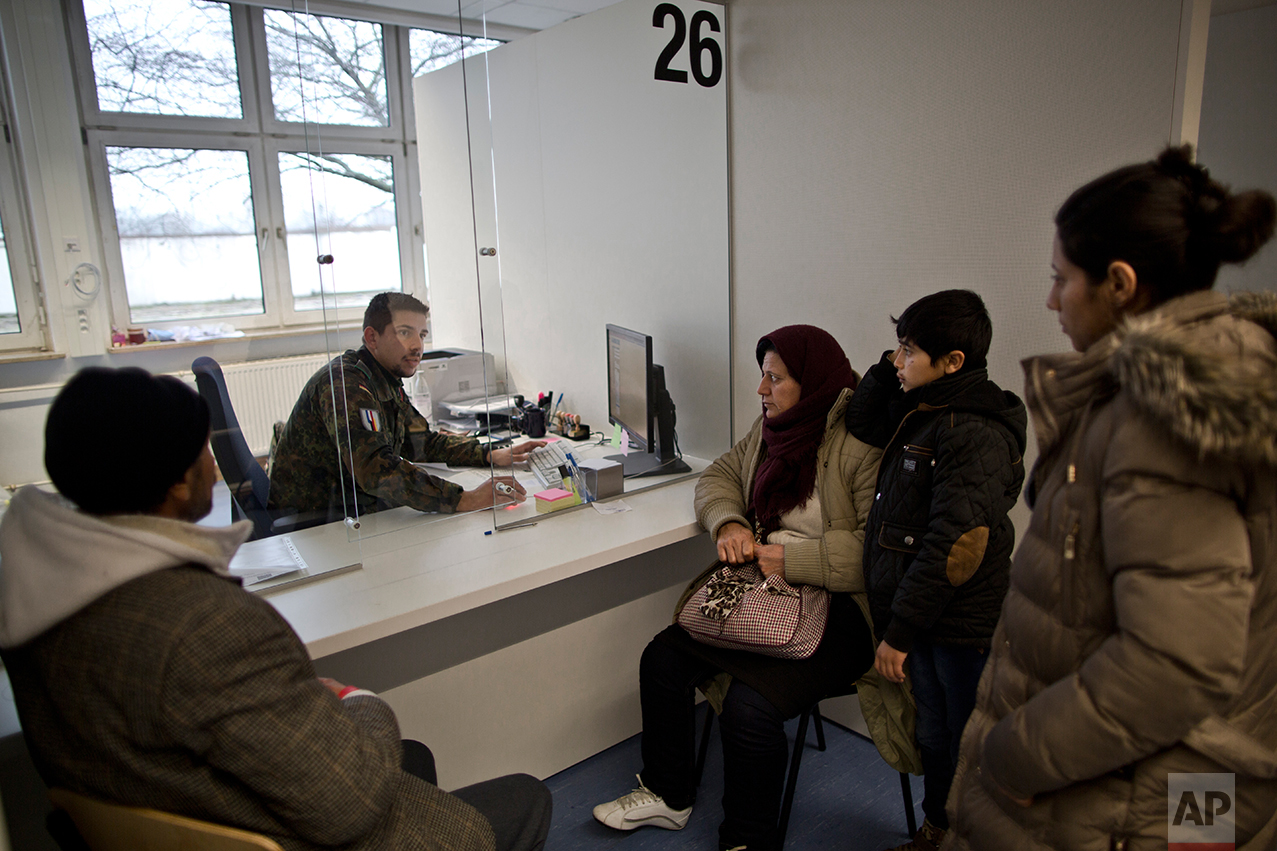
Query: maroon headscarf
{"x":786,"y":476}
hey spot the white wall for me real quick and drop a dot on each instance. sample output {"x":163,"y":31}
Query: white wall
{"x":611,"y":206}
{"x":885,"y":149}
{"x":1238,"y":136}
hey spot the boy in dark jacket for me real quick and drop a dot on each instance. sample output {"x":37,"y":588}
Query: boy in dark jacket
{"x":938,"y":540}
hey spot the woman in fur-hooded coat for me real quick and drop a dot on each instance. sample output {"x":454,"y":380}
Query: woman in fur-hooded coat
{"x":1139,"y":635}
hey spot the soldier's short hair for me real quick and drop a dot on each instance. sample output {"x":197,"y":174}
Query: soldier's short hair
{"x":383,"y":305}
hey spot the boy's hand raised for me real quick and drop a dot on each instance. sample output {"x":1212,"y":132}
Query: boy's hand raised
{"x":890,"y":663}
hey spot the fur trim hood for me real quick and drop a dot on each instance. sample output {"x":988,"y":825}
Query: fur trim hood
{"x":55,"y":559}
{"x":1206,"y":366}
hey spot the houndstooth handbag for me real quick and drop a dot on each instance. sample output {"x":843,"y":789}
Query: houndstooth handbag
{"x":740,"y":609}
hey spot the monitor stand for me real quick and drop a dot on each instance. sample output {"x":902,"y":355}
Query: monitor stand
{"x":639,"y":464}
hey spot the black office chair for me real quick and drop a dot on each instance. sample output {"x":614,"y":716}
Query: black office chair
{"x":791,"y":783}
{"x":249,"y":486}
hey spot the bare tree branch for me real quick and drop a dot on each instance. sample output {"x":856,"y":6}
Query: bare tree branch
{"x":335,"y":164}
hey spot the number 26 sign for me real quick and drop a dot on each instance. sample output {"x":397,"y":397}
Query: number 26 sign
{"x":702,"y":51}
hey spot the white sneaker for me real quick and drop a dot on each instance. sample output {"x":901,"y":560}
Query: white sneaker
{"x":641,"y":807}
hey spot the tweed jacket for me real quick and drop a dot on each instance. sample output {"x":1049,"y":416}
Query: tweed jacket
{"x":178,"y":690}
{"x":1139,"y":634}
{"x":355,"y":406}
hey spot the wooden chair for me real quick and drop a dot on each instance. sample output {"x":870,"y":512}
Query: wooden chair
{"x":115,"y":827}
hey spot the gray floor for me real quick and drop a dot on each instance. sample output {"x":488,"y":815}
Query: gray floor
{"x":847,"y":798}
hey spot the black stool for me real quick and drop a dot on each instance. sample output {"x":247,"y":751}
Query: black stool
{"x":810,"y":714}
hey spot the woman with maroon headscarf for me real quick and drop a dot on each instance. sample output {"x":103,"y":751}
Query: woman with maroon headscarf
{"x":793,"y":496}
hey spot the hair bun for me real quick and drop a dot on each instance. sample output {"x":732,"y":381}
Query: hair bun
{"x":1177,"y":162}
{"x":1232,"y":227}
{"x":1243,"y":223}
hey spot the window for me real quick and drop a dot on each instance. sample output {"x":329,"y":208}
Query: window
{"x":231,"y":147}
{"x":20,"y":319}
{"x":184,"y":214}
{"x":433,"y":50}
{"x":9,"y":322}
{"x":354,"y":217}
{"x":164,"y":58}
{"x":333,"y":67}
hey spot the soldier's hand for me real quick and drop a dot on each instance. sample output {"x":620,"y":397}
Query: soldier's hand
{"x":510,"y":455}
{"x":501,"y":490}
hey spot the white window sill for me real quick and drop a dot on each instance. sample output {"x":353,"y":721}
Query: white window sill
{"x":22,"y":356}
{"x":249,"y":335}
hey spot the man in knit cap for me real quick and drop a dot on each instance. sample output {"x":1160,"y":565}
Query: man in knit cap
{"x":144,"y":674}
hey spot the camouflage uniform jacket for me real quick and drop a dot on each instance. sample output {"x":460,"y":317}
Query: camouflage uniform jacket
{"x":372,"y":423}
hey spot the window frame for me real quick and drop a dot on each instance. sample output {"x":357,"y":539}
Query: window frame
{"x":112,"y":255}
{"x":263,"y":137}
{"x":390,"y":53}
{"x":403,"y":229}
{"x":93,"y":117}
{"x":19,"y":244}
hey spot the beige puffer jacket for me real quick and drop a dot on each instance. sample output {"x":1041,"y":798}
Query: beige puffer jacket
{"x":1139,"y":635}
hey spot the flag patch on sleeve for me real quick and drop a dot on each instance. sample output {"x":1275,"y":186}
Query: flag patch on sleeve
{"x":370,"y":419}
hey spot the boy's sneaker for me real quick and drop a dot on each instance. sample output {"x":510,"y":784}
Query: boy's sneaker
{"x":928,"y":838}
{"x":641,"y":807}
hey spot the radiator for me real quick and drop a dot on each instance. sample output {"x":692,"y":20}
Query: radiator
{"x":265,"y":391}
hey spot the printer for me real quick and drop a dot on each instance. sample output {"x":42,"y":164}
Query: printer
{"x":454,"y":375}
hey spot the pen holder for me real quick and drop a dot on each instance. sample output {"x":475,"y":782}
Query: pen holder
{"x":529,"y":419}
{"x":580,"y":485}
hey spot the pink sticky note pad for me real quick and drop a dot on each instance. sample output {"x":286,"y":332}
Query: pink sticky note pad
{"x":553,"y":494}
{"x":625,"y":442}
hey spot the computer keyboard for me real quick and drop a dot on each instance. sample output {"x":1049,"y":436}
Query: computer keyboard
{"x":545,"y":462}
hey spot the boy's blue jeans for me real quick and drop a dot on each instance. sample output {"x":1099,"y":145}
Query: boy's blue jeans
{"x":944,"y":679}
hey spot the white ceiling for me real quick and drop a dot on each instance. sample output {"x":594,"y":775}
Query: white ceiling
{"x":527,"y":14}
{"x":543,"y":14}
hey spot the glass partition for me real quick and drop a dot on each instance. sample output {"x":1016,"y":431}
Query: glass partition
{"x":598,"y":169}
{"x":387,"y":436}
{"x":570,"y":179}
{"x":342,"y":197}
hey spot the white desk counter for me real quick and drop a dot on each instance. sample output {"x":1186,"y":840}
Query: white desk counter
{"x":417,"y":572}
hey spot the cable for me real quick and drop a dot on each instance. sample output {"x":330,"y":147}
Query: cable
{"x":77,"y":277}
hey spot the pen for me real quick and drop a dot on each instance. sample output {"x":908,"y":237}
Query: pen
{"x":578,"y":479}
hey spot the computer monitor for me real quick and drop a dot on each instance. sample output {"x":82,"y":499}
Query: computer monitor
{"x":638,"y":402}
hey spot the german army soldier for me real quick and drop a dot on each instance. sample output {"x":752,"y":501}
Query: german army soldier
{"x":353,"y":431}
